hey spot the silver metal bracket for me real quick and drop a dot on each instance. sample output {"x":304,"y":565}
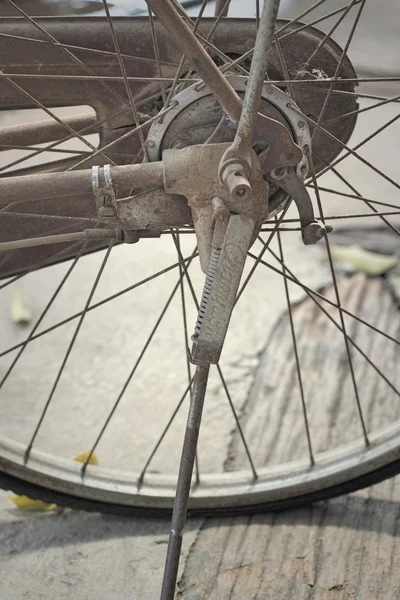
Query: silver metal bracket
{"x":104,"y":193}
{"x":311,"y":229}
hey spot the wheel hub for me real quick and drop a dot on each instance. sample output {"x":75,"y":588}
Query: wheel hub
{"x":197,"y":119}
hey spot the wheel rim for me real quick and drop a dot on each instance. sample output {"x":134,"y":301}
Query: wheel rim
{"x":182,"y":275}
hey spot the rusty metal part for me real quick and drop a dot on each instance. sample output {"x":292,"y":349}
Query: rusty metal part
{"x":220,"y":289}
{"x":311,"y":229}
{"x":234,"y":175}
{"x":57,"y":185}
{"x":22,"y":49}
{"x":196,"y":115}
{"x":153,"y":210}
{"x":104,"y":193}
{"x":193,"y":173}
{"x":61,"y":238}
{"x":41,"y":132}
{"x":282,"y":148}
{"x":251,"y":103}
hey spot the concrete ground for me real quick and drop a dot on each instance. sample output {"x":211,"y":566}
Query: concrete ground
{"x":89,"y":556}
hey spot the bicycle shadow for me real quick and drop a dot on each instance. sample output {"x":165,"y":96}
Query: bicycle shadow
{"x":29,"y":532}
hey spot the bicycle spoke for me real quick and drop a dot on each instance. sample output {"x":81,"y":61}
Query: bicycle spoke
{"x":183,"y":57}
{"x":65,"y":50}
{"x":164,"y":433}
{"x":221,"y":8}
{"x":327,"y":36}
{"x":315,"y":21}
{"x":123,"y":137}
{"x":338,"y":302}
{"x":353,"y":196}
{"x":43,"y":314}
{"x":133,"y":370}
{"x":266,"y":245}
{"x":5,"y":147}
{"x":221,"y":376}
{"x":343,"y":56}
{"x":279,"y":32}
{"x":238,"y":424}
{"x":374,"y":210}
{"x":60,"y":238}
{"x":52,"y":115}
{"x":125,"y":76}
{"x":314,"y":295}
{"x":359,"y":111}
{"x":97,"y":304}
{"x":175,"y":237}
{"x":156,"y":52}
{"x":68,"y":352}
{"x":107,"y":53}
{"x":55,"y":257}
{"x":86,"y":130}
{"x":351,"y":151}
{"x":296,"y":354}
{"x":321,"y":296}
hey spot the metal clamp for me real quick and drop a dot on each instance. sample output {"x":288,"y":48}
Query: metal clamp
{"x":106,"y":201}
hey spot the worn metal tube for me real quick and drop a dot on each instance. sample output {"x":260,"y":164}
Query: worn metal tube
{"x":41,"y":132}
{"x":184,"y":482}
{"x":75,"y":183}
{"x":60,"y":238}
{"x":252,"y":98}
{"x":203,"y":64}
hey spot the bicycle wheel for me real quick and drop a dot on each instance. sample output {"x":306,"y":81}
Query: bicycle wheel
{"x":86,"y":377}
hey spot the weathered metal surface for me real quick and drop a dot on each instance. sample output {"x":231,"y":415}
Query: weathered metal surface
{"x":35,"y":55}
{"x":288,"y":180}
{"x":249,"y":121}
{"x":283,"y":150}
{"x":193,"y":172}
{"x":75,"y":183}
{"x":41,"y":132}
{"x":220,"y":289}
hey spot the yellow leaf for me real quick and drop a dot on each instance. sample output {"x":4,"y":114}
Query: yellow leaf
{"x":83,"y":457}
{"x":25,"y":503}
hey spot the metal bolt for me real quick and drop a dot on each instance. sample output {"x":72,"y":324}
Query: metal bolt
{"x":150,"y":144}
{"x":301,"y":124}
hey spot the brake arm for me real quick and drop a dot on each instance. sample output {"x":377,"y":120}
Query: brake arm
{"x":312,"y":230}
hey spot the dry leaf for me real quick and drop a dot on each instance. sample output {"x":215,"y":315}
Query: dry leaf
{"x":83,"y":457}
{"x":355,"y":259}
{"x":26,"y":503}
{"x":20,"y":311}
